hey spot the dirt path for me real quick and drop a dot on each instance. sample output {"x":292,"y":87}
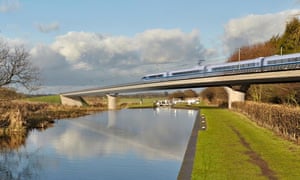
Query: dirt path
{"x":255,"y":158}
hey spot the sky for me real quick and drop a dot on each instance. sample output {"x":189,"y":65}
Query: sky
{"x":81,"y":44}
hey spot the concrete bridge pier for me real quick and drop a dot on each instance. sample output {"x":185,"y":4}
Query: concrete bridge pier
{"x":112,"y":101}
{"x":71,"y":101}
{"x":234,"y":96}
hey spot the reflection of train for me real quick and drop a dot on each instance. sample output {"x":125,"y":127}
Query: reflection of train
{"x":271,"y":63}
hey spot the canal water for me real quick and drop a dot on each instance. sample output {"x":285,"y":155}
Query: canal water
{"x":125,"y":144}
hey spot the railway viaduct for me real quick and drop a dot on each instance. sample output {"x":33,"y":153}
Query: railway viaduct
{"x":227,"y":81}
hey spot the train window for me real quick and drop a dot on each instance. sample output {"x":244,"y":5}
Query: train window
{"x":293,"y":59}
{"x":187,"y":72}
{"x":156,"y":76}
{"x":274,"y":62}
{"x":217,"y":69}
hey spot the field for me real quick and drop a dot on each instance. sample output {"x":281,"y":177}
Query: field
{"x":233,"y":147}
{"x":138,"y":103}
{"x":51,"y":99}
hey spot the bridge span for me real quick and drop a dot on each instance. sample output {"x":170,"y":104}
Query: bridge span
{"x":229,"y":80}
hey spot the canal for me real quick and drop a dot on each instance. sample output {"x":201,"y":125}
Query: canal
{"x":125,"y":144}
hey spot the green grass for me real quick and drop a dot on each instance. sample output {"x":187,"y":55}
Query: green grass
{"x":221,"y":155}
{"x":52,"y":99}
{"x":136,"y":102}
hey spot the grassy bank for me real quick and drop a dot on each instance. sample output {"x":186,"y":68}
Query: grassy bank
{"x":233,"y":147}
{"x":51,"y":99}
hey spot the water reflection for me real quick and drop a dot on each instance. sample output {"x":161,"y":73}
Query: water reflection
{"x":12,"y":140}
{"x":15,"y":162}
{"x":147,"y":140}
{"x":190,"y":113}
{"x":152,"y":139}
{"x":111,"y":119}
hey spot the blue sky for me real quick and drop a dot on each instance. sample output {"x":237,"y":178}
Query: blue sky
{"x":80,"y":43}
{"x":129,"y":17}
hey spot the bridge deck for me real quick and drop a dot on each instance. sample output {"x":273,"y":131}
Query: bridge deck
{"x":195,"y":82}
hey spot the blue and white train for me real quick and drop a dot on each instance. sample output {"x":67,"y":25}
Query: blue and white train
{"x":261,"y":64}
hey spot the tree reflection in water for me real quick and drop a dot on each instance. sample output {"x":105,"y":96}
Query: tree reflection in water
{"x":16,"y":163}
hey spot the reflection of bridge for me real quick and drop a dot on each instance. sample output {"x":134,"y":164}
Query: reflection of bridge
{"x":73,"y":98}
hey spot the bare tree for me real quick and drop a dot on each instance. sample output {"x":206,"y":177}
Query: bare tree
{"x":16,"y":67}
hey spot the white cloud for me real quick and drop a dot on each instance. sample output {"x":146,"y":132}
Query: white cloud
{"x":13,"y":42}
{"x":46,"y":28}
{"x":9,"y":6}
{"x":254,"y":29}
{"x":82,"y":66}
{"x":80,"y":46}
{"x":85,"y":58}
{"x":160,"y":46}
{"x":153,"y":46}
{"x":47,"y":59}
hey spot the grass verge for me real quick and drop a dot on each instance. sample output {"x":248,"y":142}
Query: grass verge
{"x":233,"y":147}
{"x":51,"y":99}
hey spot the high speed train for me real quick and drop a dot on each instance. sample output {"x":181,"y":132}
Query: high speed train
{"x":261,"y":64}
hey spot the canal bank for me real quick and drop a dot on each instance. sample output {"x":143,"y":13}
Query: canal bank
{"x":186,"y":169}
{"x":189,"y":156}
{"x":18,"y":115}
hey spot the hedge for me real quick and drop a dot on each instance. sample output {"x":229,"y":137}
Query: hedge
{"x":284,"y":120}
